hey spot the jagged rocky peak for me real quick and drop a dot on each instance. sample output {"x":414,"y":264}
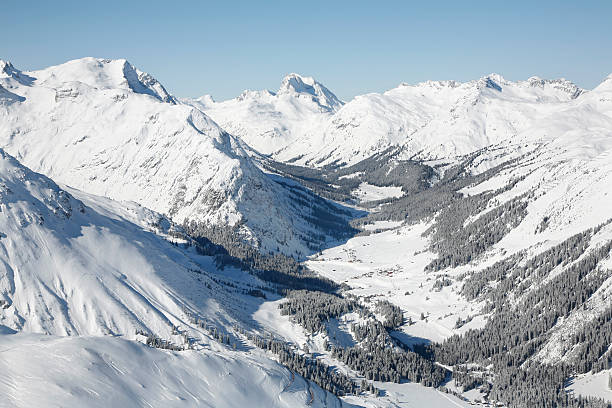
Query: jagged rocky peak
{"x":434,"y":84}
{"x":561,"y":84}
{"x":144,"y":83}
{"x":8,"y":70}
{"x":10,"y":73}
{"x":303,"y":85}
{"x":255,"y":95}
{"x":491,"y":81}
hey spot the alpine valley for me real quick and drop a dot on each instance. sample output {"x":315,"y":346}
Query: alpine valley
{"x":442,"y":244}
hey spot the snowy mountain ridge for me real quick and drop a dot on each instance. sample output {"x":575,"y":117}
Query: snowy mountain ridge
{"x":269,"y":121}
{"x":116,"y":132}
{"x":421,"y":119}
{"x":301,"y":85}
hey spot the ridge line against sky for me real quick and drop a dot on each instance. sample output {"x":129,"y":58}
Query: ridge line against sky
{"x":356,"y":47}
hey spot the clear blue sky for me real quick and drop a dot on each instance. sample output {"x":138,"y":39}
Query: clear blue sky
{"x":352,"y":47}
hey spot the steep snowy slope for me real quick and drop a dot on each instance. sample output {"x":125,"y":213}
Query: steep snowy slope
{"x":270,"y":122}
{"x":105,"y":127}
{"x":69,"y":268}
{"x":496,"y":247}
{"x":97,"y":272}
{"x":542,"y":273}
{"x":45,"y":371}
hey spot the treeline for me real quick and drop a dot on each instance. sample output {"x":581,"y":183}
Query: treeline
{"x":313,"y":309}
{"x":323,"y":216}
{"x":539,"y":386}
{"x":430,"y":200}
{"x":385,"y":169}
{"x":320,"y":181}
{"x":376,"y":357}
{"x":515,"y":332}
{"x":310,"y":368}
{"x":382,"y":169}
{"x":594,"y":340}
{"x":457,"y":243}
{"x":226,"y":246}
{"x":508,"y":274}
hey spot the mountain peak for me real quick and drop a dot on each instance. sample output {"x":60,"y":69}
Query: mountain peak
{"x":142,"y":82}
{"x":7,"y":69}
{"x":105,"y":74}
{"x":297,"y":83}
{"x":561,"y":84}
{"x":206,"y":100}
{"x":303,"y":85}
{"x":492,"y":81}
{"x":605,"y":85}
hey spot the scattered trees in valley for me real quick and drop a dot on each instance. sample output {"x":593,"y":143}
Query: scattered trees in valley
{"x":525,"y":297}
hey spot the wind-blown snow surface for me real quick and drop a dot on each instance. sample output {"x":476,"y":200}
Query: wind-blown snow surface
{"x":104,"y":127}
{"x":68,"y":269}
{"x":47,"y":371}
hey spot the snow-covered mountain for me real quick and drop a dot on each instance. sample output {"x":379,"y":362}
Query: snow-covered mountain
{"x":434,"y":119}
{"x":105,"y":127}
{"x":271,"y":121}
{"x":440,"y":119}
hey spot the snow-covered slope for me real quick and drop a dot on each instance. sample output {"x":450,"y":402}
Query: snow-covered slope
{"x":82,"y":274}
{"x":272,"y":121}
{"x":70,"y":268}
{"x":434,"y":119}
{"x":440,"y":119}
{"x":96,"y":272}
{"x":104,"y":127}
{"x":48,"y":371}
